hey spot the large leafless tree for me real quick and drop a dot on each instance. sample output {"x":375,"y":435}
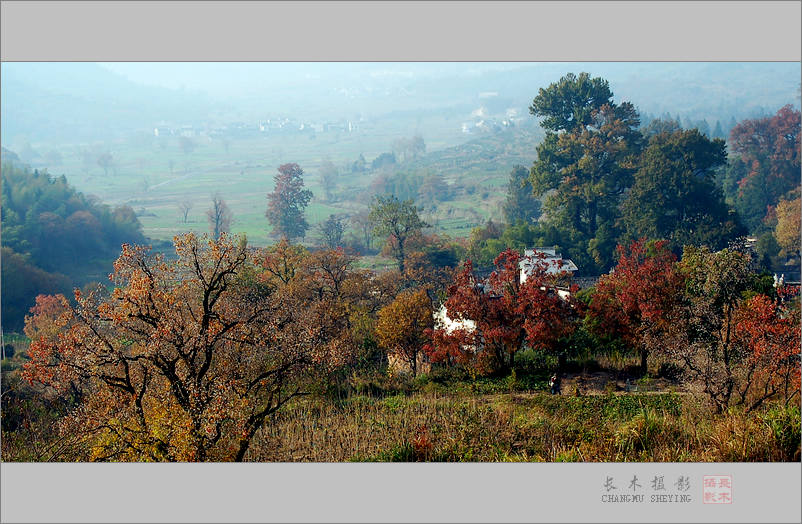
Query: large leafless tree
{"x":219,"y":216}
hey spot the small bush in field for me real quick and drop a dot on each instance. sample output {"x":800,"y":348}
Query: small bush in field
{"x":419,"y":382}
{"x":645,"y":383}
{"x":400,"y":453}
{"x":570,"y":455}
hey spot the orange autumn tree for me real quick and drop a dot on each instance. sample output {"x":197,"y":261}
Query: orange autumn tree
{"x":281,"y":262}
{"x":402,"y":325}
{"x":342,"y":298}
{"x":44,"y":320}
{"x":768,"y":333}
{"x":321,"y":287}
{"x":185,"y":361}
{"x":789,"y":225}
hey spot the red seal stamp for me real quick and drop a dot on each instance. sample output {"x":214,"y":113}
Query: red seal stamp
{"x":717,"y":489}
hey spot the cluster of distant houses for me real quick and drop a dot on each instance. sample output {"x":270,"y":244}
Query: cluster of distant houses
{"x":255,"y":129}
{"x":484,"y":125}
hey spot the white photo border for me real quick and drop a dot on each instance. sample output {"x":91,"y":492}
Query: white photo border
{"x":391,"y":31}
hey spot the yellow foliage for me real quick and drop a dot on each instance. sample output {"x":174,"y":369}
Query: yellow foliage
{"x":787,"y":233}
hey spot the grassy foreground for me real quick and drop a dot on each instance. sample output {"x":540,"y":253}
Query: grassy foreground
{"x":514,"y":426}
{"x":447,"y":417}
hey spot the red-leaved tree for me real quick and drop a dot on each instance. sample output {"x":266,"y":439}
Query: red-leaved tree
{"x":768,"y":332}
{"x":633,"y":301}
{"x":496,"y":317}
{"x":770,"y":151}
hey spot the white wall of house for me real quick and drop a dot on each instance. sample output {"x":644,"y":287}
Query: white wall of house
{"x":552,"y":260}
{"x":442,"y":321}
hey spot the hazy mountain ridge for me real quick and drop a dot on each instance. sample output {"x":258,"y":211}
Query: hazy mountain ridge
{"x":66,"y":102}
{"x":69,"y":102}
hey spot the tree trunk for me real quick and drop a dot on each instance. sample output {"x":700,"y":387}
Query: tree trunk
{"x":200,"y":450}
{"x":500,"y":353}
{"x":561,"y":360}
{"x":644,"y":355}
{"x":243,"y":448}
{"x":245,"y":440}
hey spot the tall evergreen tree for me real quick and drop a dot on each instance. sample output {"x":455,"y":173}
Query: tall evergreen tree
{"x":585,"y":164}
{"x":718,"y":132}
{"x":703,"y":127}
{"x":675,"y":195}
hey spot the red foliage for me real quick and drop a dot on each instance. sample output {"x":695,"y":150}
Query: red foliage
{"x":505,"y":312}
{"x":422,"y":444}
{"x":770,"y":147}
{"x":633,"y":301}
{"x":457,"y":344}
{"x":769,"y":332}
{"x":787,"y":292}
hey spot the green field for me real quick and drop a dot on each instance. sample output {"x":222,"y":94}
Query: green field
{"x":153,"y":174}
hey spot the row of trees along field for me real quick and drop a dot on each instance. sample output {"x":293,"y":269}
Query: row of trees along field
{"x":196,"y":356}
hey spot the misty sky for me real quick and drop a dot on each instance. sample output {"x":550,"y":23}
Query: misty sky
{"x":232,"y":78}
{"x":79,"y":101}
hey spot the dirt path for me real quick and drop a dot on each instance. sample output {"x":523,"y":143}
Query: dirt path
{"x":604,"y":382}
{"x":173,"y":180}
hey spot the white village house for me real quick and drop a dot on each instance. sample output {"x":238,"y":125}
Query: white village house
{"x":554,"y":262}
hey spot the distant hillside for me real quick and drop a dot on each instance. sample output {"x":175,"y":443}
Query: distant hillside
{"x":44,"y":102}
{"x":712,"y":90}
{"x":73,"y":102}
{"x":488,"y":155}
{"x":54,"y":237}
